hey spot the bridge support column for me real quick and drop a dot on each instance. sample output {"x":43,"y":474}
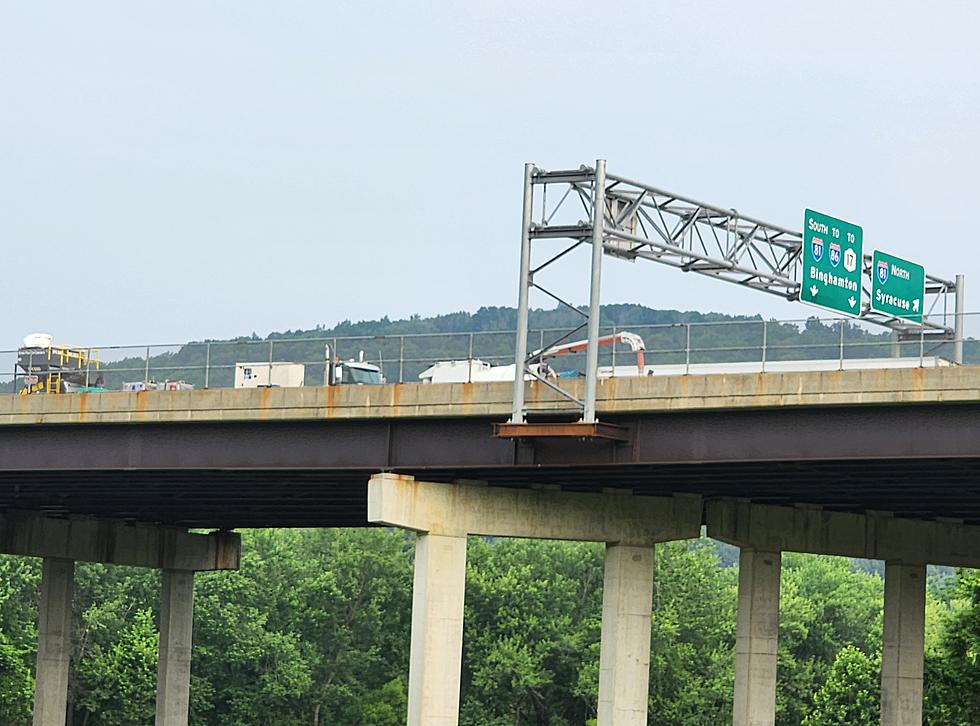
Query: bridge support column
{"x":624,"y":656}
{"x":444,"y":514}
{"x":54,"y":642}
{"x":174,"y":664}
{"x":903,"y":644}
{"x":756,"y":638}
{"x":437,"y":630}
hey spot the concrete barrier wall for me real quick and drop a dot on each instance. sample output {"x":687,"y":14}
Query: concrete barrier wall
{"x":616,"y":395}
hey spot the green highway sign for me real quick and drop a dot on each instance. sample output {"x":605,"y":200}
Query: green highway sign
{"x":832,"y":263}
{"x":897,"y":287}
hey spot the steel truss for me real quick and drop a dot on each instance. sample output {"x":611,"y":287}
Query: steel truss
{"x":635,"y":221}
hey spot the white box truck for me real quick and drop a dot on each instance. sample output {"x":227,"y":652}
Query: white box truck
{"x":263,"y":375}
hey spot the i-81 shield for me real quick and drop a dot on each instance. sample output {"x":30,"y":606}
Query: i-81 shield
{"x":882,"y":268}
{"x":816,"y":246}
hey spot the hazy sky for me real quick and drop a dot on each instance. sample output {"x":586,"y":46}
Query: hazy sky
{"x":202,"y":169}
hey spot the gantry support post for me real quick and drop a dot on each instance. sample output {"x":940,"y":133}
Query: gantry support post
{"x":903,"y":644}
{"x":54,"y":642}
{"x":592,"y":351}
{"x":624,"y":655}
{"x":437,"y":630}
{"x":174,"y":662}
{"x":959,"y":326}
{"x":756,"y":638}
{"x":520,"y":355}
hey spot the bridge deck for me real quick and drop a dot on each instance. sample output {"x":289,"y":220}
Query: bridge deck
{"x":897,"y":440}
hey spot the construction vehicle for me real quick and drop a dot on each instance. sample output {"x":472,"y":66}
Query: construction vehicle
{"x":51,"y":368}
{"x":475,"y":370}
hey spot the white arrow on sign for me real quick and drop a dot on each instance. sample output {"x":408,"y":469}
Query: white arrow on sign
{"x":915,"y":306}
{"x":813,"y":290}
{"x":851,"y":301}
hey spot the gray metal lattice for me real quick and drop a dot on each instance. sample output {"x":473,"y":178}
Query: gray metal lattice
{"x":632,"y":220}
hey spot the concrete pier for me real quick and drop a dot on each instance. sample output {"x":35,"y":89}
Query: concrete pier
{"x":444,"y":514}
{"x":63,"y":541}
{"x":904,"y":545}
{"x":624,"y":660}
{"x":54,"y":642}
{"x":903,"y":644}
{"x":756,"y":638}
{"x":437,"y":630}
{"x":174,"y":663}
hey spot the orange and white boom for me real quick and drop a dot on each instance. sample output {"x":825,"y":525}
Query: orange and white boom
{"x":634,"y":341}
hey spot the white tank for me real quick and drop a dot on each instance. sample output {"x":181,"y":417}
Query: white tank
{"x":38,"y":340}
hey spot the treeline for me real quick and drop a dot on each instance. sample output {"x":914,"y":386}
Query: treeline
{"x":314,"y":629}
{"x":406,"y":347}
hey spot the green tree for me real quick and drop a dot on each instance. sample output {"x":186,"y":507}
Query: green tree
{"x":850,"y":695}
{"x":952,"y":668}
{"x":693,"y":636}
{"x":20,"y":579}
{"x":825,"y":605}
{"x":120,"y":676}
{"x":246,"y":670}
{"x":531,"y":628}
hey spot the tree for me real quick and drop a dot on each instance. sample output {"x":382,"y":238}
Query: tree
{"x":693,"y":636}
{"x":20,"y":579}
{"x":531,"y":631}
{"x":825,"y":606}
{"x":120,"y":676}
{"x":952,"y":668}
{"x":850,"y":695}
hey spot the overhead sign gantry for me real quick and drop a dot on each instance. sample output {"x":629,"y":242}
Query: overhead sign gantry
{"x":624,"y":218}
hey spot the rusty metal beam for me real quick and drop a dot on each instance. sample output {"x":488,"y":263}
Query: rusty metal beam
{"x":595,"y":430}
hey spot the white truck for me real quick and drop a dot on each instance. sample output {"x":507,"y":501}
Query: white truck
{"x":279,"y":374}
{"x":476,"y":370}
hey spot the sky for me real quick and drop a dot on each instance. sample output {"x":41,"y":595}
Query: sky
{"x":190,"y":170}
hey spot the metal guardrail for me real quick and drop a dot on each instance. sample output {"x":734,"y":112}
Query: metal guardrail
{"x":211,"y":364}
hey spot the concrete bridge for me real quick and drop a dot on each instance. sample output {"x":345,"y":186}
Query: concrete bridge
{"x":879,"y":464}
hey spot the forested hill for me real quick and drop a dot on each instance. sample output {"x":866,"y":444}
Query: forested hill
{"x":488,"y":319}
{"x":406,"y":347}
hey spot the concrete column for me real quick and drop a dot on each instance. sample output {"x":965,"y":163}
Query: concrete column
{"x":437,"y":630}
{"x":903,"y":644}
{"x":174,"y":664}
{"x":756,"y":637}
{"x":53,"y":642}
{"x":624,"y":656}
